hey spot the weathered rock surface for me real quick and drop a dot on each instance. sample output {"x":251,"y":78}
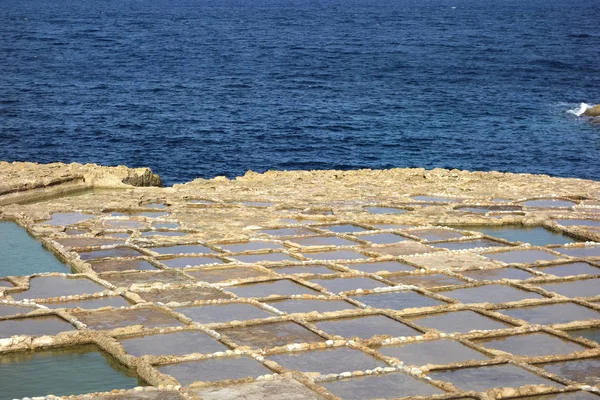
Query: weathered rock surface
{"x":229,"y":261}
{"x":592,"y":112}
{"x":25,"y":181}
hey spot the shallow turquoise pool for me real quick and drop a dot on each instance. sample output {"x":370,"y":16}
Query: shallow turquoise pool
{"x":79,"y":370}
{"x":21,"y":254}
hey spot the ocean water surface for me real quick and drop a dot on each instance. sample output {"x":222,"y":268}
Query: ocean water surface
{"x":200,"y":88}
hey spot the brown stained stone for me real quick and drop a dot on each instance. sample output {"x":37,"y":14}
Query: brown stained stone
{"x":552,"y":313}
{"x":587,"y":251}
{"x":138,"y":278}
{"x":137,"y":395}
{"x":402,"y":249}
{"x":579,"y":288}
{"x":531,"y":345}
{"x":327,"y":361}
{"x":387,"y":386}
{"x":223,"y":313}
{"x":573,"y":269}
{"x":346,"y":228}
{"x":215,"y":369}
{"x":172,"y":344}
{"x":35,"y":326}
{"x":214,"y":275}
{"x":287,"y":232}
{"x":586,"y":371}
{"x":522,"y":256}
{"x":426,"y":281}
{"x":282,"y":287}
{"x":182,"y":249}
{"x":384,"y":266}
{"x":6,"y":309}
{"x":121,"y":265}
{"x":112,"y":319}
{"x":339,"y":285}
{"x":43,"y":287}
{"x":65,"y":219}
{"x":468,"y":244}
{"x":304,"y":269}
{"x":123,"y":224}
{"x":250,"y":246}
{"x":291,"y":306}
{"x":322,"y":241}
{"x":437,"y":352}
{"x":398,"y":300}
{"x":270,"y":335}
{"x":110,"y":253}
{"x":497,"y":274}
{"x":435,"y":234}
{"x":459,"y":321}
{"x":108,"y":301}
{"x":182,"y":295}
{"x":366,"y":327}
{"x":335,"y":255}
{"x":189,"y":262}
{"x":267,"y":257}
{"x":490,"y":294}
{"x":481,"y":379}
{"x":88,"y":242}
{"x":285,"y":388}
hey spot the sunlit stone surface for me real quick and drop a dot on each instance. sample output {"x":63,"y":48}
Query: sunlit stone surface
{"x":299,"y":285}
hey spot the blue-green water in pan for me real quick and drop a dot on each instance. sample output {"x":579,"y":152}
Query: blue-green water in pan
{"x":62,"y":372}
{"x":20,"y":254}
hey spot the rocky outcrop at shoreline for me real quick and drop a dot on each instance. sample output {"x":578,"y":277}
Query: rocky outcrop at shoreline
{"x":593,"y":111}
{"x":26,"y":181}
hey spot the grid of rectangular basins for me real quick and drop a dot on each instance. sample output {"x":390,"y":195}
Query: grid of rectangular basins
{"x":349,"y":311}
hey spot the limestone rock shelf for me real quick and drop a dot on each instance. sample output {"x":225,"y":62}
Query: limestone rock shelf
{"x":304,"y":284}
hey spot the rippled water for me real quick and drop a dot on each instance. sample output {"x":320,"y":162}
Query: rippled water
{"x":206,"y":87}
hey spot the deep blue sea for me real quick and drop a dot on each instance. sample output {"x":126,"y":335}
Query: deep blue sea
{"x":200,"y":88}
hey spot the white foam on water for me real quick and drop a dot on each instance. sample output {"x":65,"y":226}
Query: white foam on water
{"x":579,"y":111}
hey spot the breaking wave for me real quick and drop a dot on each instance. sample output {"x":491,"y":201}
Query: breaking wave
{"x":581,"y":109}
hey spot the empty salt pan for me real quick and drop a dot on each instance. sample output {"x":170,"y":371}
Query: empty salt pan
{"x":214,"y":370}
{"x":65,"y":219}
